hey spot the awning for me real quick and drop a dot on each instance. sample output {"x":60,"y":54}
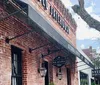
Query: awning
{"x":49,"y":30}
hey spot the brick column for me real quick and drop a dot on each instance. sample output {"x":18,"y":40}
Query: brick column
{"x":24,"y":68}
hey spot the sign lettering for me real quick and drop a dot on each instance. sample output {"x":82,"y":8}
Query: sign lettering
{"x":71,"y":48}
{"x":59,"y":61}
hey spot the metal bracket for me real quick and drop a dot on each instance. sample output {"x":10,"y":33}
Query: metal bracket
{"x":13,"y":14}
{"x":7,"y":40}
{"x":32,"y":49}
{"x":51,"y":52}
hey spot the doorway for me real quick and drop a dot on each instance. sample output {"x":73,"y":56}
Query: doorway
{"x":68,"y":76}
{"x":47,"y":74}
{"x":16,"y":63}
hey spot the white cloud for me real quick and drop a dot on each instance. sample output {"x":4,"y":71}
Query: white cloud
{"x":96,"y":17}
{"x":89,"y":9}
{"x":93,"y":4}
{"x":98,"y":49}
{"x":83,"y":30}
{"x":67,"y":3}
{"x":82,"y":46}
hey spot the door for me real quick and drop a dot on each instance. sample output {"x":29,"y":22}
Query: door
{"x":68,"y":76}
{"x":16,"y":78}
{"x":47,"y":74}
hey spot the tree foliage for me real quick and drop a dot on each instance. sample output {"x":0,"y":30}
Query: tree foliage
{"x":96,"y":62}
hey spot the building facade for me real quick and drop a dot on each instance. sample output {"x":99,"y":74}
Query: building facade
{"x":95,"y":57}
{"x":37,"y":43}
{"x":84,"y":71}
{"x":90,"y":52}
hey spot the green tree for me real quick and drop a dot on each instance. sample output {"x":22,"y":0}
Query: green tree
{"x":96,"y":62}
{"x":93,"y":83}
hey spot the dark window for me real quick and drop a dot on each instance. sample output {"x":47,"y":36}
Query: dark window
{"x":44,"y":3}
{"x":68,"y":76}
{"x":50,"y":10}
{"x":21,"y":5}
{"x":16,"y":78}
{"x":67,"y":29}
{"x":83,"y":79}
{"x":57,"y":17}
{"x":62,"y":23}
{"x":53,"y":12}
{"x":64,"y":26}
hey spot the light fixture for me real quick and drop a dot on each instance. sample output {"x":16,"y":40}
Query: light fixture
{"x":42,"y":70}
{"x":59,"y":74}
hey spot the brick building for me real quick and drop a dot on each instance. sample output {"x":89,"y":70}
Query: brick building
{"x":94,"y":56}
{"x":90,"y":52}
{"x":32,"y":35}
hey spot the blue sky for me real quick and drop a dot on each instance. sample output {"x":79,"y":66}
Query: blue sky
{"x":86,"y":36}
{"x":88,"y":42}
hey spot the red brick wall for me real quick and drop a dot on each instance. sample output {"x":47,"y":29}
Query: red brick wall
{"x":5,"y":62}
{"x":30,"y":61}
{"x":63,"y":81}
